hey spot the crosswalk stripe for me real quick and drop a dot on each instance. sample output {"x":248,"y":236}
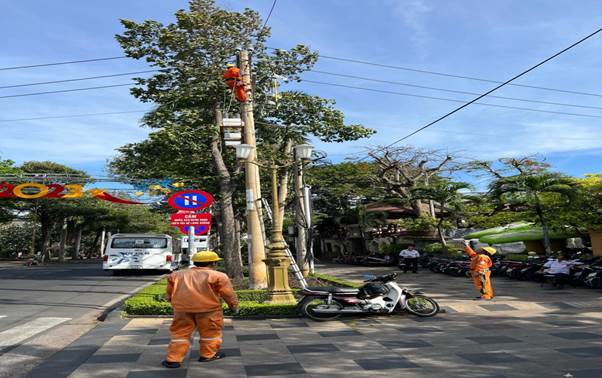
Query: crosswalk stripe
{"x":24,"y":331}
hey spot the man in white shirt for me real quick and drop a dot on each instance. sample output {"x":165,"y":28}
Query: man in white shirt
{"x":560,"y":268}
{"x":410,"y":256}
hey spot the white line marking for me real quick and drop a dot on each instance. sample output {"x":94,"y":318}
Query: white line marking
{"x":24,"y":331}
{"x":2,"y":316}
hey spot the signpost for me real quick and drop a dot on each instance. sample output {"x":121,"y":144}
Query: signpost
{"x":189,"y":219}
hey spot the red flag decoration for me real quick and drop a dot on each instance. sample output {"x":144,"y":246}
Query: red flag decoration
{"x":101,"y":194}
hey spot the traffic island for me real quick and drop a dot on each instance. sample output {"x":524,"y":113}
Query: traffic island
{"x":151,"y":301}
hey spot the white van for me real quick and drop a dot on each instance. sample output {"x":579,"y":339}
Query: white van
{"x":138,"y":252}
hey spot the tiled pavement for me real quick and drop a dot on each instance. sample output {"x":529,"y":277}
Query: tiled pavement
{"x":530,"y":333}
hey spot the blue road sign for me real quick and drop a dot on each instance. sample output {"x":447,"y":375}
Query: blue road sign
{"x":190,"y":200}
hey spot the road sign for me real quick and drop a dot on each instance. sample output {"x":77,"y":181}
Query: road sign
{"x":198,"y":230}
{"x":194,"y":219}
{"x":190,"y":200}
{"x":185,"y":219}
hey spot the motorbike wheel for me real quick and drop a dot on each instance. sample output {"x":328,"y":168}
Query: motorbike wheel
{"x":308,"y":304}
{"x":422,"y":306}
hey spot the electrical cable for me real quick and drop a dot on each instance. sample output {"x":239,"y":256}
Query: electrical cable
{"x":67,"y":90}
{"x":61,"y":63}
{"x":349,"y":60}
{"x":496,"y":87}
{"x":450,"y":100}
{"x":452,"y":90}
{"x":76,"y":79}
{"x":269,"y":14}
{"x":70,"y":116}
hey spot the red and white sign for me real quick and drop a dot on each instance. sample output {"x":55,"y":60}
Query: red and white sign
{"x":190,"y":219}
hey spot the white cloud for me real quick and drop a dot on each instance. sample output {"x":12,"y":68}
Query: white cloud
{"x":413,"y":13}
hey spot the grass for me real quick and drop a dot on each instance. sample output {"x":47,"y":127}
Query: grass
{"x":151,"y":300}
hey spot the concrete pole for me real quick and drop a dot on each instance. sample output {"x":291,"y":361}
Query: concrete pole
{"x":191,"y":244}
{"x":301,"y":221}
{"x":102,"y":243}
{"x":256,"y":242}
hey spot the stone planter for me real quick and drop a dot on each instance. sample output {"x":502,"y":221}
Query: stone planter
{"x":596,"y":238}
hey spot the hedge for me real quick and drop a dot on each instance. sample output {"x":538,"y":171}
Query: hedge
{"x":151,"y":300}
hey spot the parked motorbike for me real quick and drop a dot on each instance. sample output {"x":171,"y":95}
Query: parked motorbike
{"x":378,"y":295}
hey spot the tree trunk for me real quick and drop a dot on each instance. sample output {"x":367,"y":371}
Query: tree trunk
{"x":94,"y":244}
{"x":417,"y":207}
{"x":284,"y":182}
{"x":46,"y":226}
{"x":544,"y":225}
{"x":77,"y":243}
{"x":229,"y":237}
{"x":63,"y":241}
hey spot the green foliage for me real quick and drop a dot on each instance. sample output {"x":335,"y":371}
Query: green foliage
{"x":336,"y":281}
{"x":393,"y":248}
{"x":584,"y":211}
{"x":151,"y":301}
{"x":15,"y":238}
{"x":424,"y":223}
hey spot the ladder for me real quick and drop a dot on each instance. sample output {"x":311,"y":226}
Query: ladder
{"x":293,"y":263}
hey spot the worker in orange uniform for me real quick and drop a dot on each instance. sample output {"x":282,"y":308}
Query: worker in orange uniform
{"x":234,"y":82}
{"x":195,"y":295}
{"x":480,"y":262}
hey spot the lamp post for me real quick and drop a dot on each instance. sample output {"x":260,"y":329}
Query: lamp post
{"x":277,"y":260}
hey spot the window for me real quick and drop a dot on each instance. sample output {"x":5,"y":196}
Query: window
{"x":139,"y":243}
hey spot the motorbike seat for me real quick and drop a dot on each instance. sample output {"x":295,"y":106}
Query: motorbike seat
{"x":334,"y":290}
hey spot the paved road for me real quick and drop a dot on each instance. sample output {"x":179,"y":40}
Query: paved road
{"x":527,"y":331}
{"x":44,"y":308}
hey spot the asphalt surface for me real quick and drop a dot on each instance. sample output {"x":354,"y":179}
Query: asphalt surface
{"x":60,"y":290}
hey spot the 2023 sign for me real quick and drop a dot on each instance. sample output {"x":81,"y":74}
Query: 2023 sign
{"x":31,"y":190}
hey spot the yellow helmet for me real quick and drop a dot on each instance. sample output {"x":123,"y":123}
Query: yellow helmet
{"x":230,"y":65}
{"x":205,"y":256}
{"x":489,"y":250}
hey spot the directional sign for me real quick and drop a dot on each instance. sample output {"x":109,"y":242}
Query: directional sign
{"x":198,"y":230}
{"x":190,"y":200}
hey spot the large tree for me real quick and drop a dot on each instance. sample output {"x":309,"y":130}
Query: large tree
{"x":191,"y":54}
{"x":532,"y":187}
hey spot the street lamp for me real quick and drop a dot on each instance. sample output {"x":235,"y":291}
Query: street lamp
{"x":277,"y":260}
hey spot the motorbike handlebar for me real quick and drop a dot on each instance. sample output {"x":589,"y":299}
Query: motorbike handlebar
{"x":384,"y":278}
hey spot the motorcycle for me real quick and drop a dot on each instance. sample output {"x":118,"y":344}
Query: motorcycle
{"x":378,"y":295}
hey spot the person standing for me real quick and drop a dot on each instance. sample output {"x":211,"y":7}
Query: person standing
{"x":410,"y":258}
{"x":480,"y":262}
{"x":195,"y":295}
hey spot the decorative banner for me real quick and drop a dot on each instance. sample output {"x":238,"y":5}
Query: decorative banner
{"x":24,"y":191}
{"x":101,"y":194}
{"x":194,"y":200}
{"x":34,"y":190}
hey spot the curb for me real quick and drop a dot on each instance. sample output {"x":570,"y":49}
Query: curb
{"x":117,"y":302}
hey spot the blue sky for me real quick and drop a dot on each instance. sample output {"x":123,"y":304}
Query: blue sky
{"x":486,"y":39}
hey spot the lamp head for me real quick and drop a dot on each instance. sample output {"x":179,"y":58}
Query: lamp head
{"x":303,"y":152}
{"x":243,"y":151}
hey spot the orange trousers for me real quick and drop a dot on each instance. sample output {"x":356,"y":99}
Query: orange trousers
{"x":209,"y":325}
{"x":482,"y":281}
{"x":239,"y":90}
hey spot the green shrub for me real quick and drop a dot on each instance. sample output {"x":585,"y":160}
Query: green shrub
{"x":336,"y":281}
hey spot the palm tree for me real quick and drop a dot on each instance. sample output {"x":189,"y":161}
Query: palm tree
{"x":529,"y":188}
{"x":447,"y":196}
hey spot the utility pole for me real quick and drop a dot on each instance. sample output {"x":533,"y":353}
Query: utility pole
{"x":301,"y":219}
{"x":256,"y":243}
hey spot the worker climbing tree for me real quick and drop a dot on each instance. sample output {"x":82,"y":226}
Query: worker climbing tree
{"x":234,"y":81}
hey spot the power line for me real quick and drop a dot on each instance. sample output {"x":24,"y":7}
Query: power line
{"x":496,"y":88}
{"x":70,"y":116}
{"x":357,"y":61}
{"x":76,"y":79}
{"x":61,"y":63}
{"x":269,"y":14}
{"x":450,"y":99}
{"x":66,"y":90}
{"x":451,"y":90}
